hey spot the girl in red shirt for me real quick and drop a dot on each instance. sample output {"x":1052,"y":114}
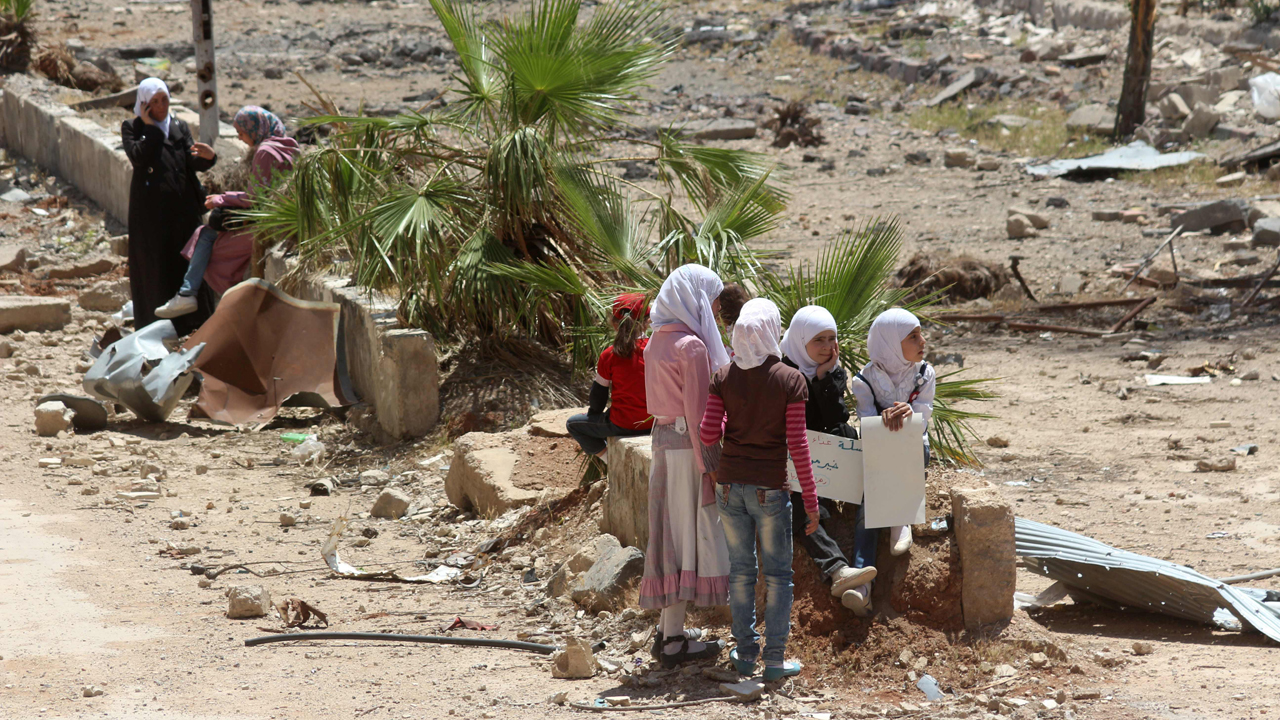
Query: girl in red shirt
{"x":620,"y":378}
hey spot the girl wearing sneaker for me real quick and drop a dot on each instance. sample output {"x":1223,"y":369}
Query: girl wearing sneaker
{"x":810,"y":346}
{"x":896,"y":384}
{"x":686,"y":559}
{"x":757,"y":404}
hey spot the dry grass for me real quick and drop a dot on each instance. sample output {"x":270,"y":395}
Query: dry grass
{"x":1198,"y":175}
{"x":1047,"y":138}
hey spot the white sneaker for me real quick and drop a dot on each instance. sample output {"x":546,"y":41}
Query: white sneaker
{"x":899,"y":537}
{"x":858,"y":600}
{"x":847,"y":578}
{"x":177,"y":306}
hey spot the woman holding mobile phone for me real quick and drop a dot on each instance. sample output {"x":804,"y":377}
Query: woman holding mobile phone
{"x":166,"y":201}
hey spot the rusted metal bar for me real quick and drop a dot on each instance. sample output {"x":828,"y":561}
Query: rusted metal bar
{"x":961,"y":317}
{"x":1056,"y":328}
{"x":1090,"y":304}
{"x":1262,"y":283}
{"x":1148,"y":259}
{"x":1013,"y":268}
{"x":1146,"y":303}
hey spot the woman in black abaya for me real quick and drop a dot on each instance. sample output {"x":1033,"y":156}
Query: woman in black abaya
{"x":165,"y":202}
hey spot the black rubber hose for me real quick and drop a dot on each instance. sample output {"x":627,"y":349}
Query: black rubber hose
{"x":438,"y":639}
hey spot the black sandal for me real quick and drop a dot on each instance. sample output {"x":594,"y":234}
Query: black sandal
{"x":710,"y":652}
{"x":659,"y":640}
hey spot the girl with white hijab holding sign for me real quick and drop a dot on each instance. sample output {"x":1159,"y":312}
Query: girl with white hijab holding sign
{"x":895,"y":385}
{"x":757,"y":405}
{"x":686,"y":559}
{"x":810,"y":346}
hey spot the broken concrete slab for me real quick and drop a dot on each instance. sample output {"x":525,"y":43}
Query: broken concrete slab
{"x":962,"y":83}
{"x":574,"y":661}
{"x":745,"y":691}
{"x":27,"y":313}
{"x":1173,"y":107}
{"x":105,"y":296}
{"x":1266,"y":232}
{"x":52,"y":418}
{"x":582,"y":560}
{"x":604,"y":586}
{"x":12,"y":258}
{"x":1037,"y":220}
{"x":985,"y":534}
{"x":1019,"y":226}
{"x":552,"y":422}
{"x":480,"y":476}
{"x":723,"y":129}
{"x":17,"y":196}
{"x":1095,"y":117}
{"x":1221,"y":216}
{"x":82,"y":268}
{"x":1084,"y":57}
{"x":1201,"y":122}
{"x":624,"y":509}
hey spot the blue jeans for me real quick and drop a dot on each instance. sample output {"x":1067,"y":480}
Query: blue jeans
{"x":194,"y":278}
{"x":748,"y":512}
{"x":592,"y":431}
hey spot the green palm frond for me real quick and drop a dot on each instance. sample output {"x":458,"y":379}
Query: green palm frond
{"x":481,"y":86}
{"x":704,"y":172}
{"x":950,"y":434}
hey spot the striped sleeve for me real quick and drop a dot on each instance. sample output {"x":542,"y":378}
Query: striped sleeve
{"x":798,"y":445}
{"x":712,"y":426}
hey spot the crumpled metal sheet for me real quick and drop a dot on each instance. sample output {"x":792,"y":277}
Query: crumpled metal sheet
{"x":1137,"y":155}
{"x":266,"y":349}
{"x":139,"y":372}
{"x":1140,"y":582}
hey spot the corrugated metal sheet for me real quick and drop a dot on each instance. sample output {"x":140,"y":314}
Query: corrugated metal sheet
{"x":1137,"y":581}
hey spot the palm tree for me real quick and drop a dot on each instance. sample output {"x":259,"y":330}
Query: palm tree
{"x":17,"y":36}
{"x":460,"y":209}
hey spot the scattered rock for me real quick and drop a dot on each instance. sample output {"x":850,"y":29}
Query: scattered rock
{"x":603,"y":586}
{"x":83,"y":268}
{"x":287,"y":520}
{"x":1201,"y":122}
{"x":1143,"y":648}
{"x":1038,"y":660}
{"x":959,"y":158}
{"x":723,"y":129}
{"x":1232,"y":179}
{"x":1019,"y":226}
{"x":17,"y":196}
{"x":1173,"y":107}
{"x":12,"y":258}
{"x":1106,"y":215}
{"x":1244,"y":258}
{"x":52,"y":418}
{"x":988,"y":164}
{"x":91,"y":691}
{"x":996,"y":441}
{"x":917,"y":158}
{"x":1266,"y":232}
{"x":552,"y":422}
{"x":248,"y":601}
{"x":1004,"y":671}
{"x":1038,"y":221}
{"x":1221,"y":216}
{"x":559,"y":698}
{"x":480,"y":475}
{"x":745,"y":691}
{"x":1095,"y":118}
{"x":180,"y":523}
{"x":1224,"y":464}
{"x":574,"y":661}
{"x":719,"y":674}
{"x":29,"y":312}
{"x":391,"y":503}
{"x":105,"y":296}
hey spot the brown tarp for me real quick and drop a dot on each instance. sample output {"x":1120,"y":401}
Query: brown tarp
{"x":264,"y":349}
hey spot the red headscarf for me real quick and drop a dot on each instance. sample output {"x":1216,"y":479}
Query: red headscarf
{"x":633,"y":303}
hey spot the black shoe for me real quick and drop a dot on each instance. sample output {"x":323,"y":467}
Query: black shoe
{"x":710,"y":652}
{"x":658,"y":640}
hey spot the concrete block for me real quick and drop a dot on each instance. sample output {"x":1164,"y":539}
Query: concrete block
{"x":1096,"y":118}
{"x":1266,"y":233}
{"x":625,"y":505}
{"x":92,"y":158}
{"x":603,"y":586}
{"x":984,"y":532}
{"x":723,"y":129}
{"x":1220,"y":216}
{"x":105,"y":296}
{"x":552,"y":422}
{"x":12,"y":257}
{"x":480,"y":475}
{"x":248,"y":601}
{"x":26,"y":312}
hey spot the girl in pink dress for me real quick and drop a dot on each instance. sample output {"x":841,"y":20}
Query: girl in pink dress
{"x":687,"y":558}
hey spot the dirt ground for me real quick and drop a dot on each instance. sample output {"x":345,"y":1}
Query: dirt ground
{"x":102,"y":594}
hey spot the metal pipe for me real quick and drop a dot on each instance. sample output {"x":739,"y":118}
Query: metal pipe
{"x":1252,"y":576}
{"x":396,"y":637}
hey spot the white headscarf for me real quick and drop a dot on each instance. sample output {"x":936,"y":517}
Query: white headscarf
{"x":806,"y":324}
{"x":888,"y":370}
{"x":686,"y":297}
{"x":148,"y":89}
{"x":755,"y":335}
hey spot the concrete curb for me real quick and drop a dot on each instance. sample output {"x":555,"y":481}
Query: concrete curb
{"x":393,"y":369}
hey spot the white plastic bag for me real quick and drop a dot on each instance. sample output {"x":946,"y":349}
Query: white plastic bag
{"x":310,"y":451}
{"x":1265,"y":92}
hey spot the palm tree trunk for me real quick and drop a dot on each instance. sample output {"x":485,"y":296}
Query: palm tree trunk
{"x":1137,"y":70}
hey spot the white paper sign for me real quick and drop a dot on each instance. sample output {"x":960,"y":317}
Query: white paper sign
{"x":837,"y":467}
{"x":893,"y":465}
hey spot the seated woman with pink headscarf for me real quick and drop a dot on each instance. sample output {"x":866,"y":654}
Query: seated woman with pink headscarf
{"x":220,"y":251}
